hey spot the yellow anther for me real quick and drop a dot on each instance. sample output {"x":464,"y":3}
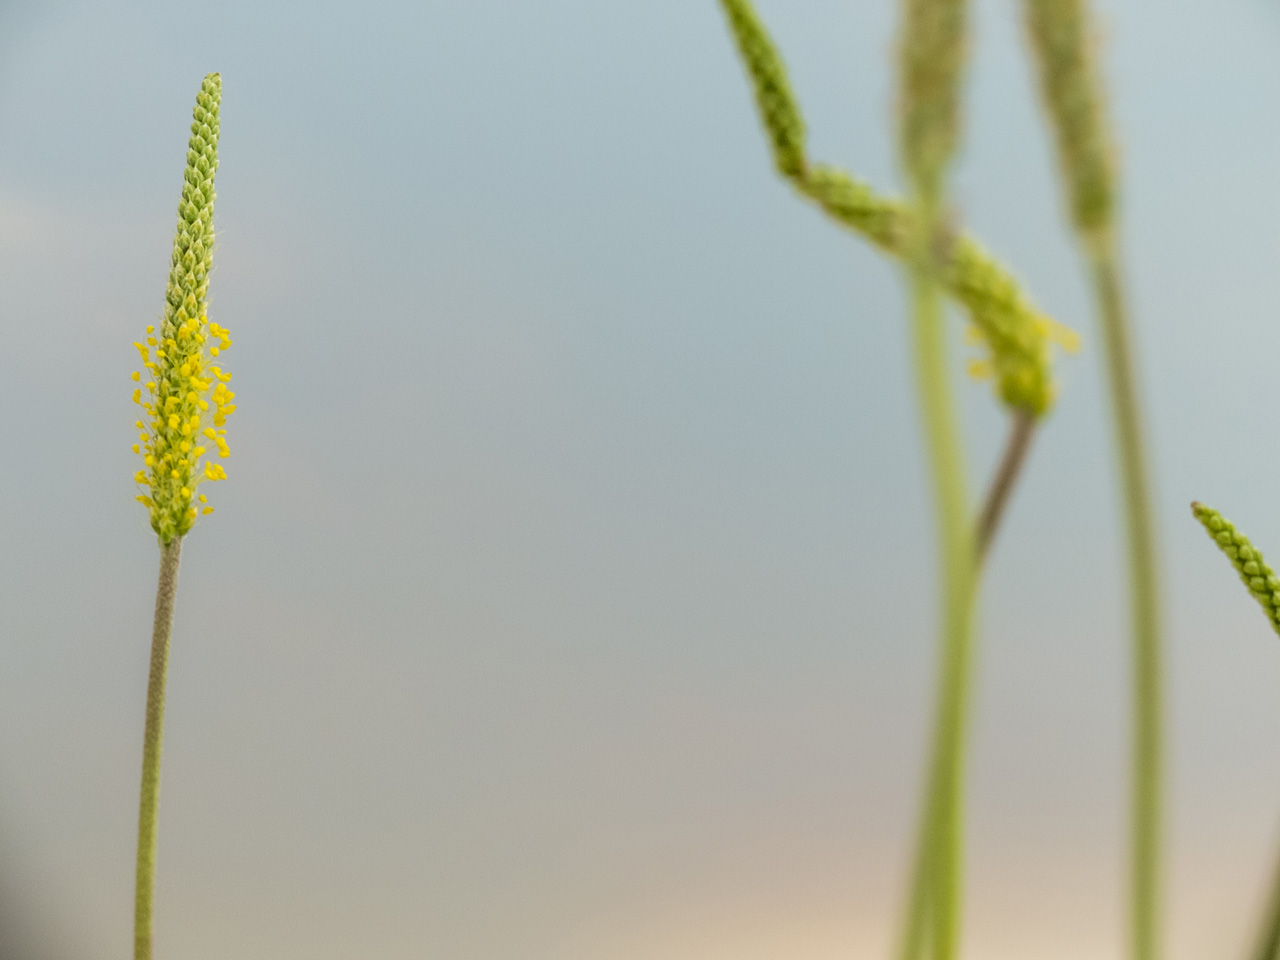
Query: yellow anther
{"x":135,"y":376}
{"x":1063,"y":336}
{"x":173,"y":421}
{"x":207,"y":510}
{"x":979,"y":369}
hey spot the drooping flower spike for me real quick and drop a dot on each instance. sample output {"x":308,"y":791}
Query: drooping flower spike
{"x":1015,"y":335}
{"x":185,"y":399}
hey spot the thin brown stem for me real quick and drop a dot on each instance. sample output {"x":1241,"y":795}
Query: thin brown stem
{"x":166,"y":590}
{"x":1022,"y":429}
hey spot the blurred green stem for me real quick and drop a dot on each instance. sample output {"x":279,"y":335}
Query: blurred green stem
{"x":936,"y":886}
{"x":1267,"y":946}
{"x":166,"y":590}
{"x":1146,"y":814}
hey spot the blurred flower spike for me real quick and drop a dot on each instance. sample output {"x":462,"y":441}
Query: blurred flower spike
{"x":185,"y":398}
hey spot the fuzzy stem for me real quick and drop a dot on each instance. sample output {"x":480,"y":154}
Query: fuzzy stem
{"x":166,"y":590}
{"x":1021,"y":433}
{"x":936,"y":893}
{"x":1146,"y":816}
{"x":1267,"y":946}
{"x":1022,"y":429}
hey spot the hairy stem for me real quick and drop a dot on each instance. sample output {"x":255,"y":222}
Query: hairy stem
{"x":936,"y":894}
{"x":1022,"y":429}
{"x":1267,"y":946}
{"x":166,"y":590}
{"x":1146,"y":814}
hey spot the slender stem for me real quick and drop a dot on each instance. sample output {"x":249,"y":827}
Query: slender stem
{"x":936,"y":887}
{"x":1267,"y":946}
{"x":1021,"y":432}
{"x":1022,"y":429}
{"x":1147,"y":668}
{"x":166,"y":590}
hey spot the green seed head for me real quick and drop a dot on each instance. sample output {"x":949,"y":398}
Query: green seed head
{"x":778,"y":110}
{"x":1062,"y":41}
{"x":1257,"y":576}
{"x":932,"y":54}
{"x":1015,"y":336}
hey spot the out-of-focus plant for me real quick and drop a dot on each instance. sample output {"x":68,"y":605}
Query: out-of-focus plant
{"x":1062,"y":39}
{"x":1015,"y":335}
{"x":185,"y":402}
{"x":1261,"y":581}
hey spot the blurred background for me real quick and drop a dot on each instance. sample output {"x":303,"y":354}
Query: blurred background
{"x":571,"y":597}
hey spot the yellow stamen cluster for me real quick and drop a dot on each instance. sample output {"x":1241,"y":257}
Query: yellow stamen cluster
{"x":186,"y":399}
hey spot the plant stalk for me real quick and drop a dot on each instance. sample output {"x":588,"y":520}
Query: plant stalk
{"x":1146,"y":814}
{"x":1267,"y":946}
{"x":166,"y":590}
{"x":1022,"y":429}
{"x":936,"y":888}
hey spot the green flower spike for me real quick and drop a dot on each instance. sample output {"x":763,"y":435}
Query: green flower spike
{"x":1255,"y":574}
{"x":1016,"y":337}
{"x":186,"y":399}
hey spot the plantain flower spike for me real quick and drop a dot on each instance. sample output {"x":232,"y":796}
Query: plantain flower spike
{"x":1066,"y":55}
{"x":933,"y":50}
{"x":1014,"y":335}
{"x":778,"y":109}
{"x":185,"y":399}
{"x":1256,"y":575}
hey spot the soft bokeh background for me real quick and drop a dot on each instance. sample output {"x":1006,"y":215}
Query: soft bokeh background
{"x":571,"y":595}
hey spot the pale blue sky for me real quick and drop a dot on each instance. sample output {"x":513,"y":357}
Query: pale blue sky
{"x":570,"y":597}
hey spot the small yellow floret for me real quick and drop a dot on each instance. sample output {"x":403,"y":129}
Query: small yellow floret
{"x":135,"y":376}
{"x":979,"y":369}
{"x":207,"y":510}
